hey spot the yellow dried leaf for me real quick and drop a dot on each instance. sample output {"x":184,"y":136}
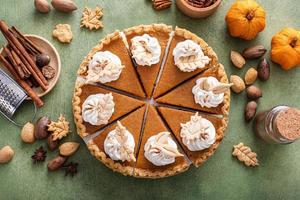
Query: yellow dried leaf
{"x":91,"y":18}
{"x":59,"y":129}
{"x":245,"y":155}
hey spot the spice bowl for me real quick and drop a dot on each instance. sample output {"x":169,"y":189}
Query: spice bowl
{"x":197,"y":12}
{"x":55,"y":62}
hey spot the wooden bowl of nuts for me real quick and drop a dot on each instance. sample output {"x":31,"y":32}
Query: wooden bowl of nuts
{"x":48,"y":61}
{"x":198,"y":8}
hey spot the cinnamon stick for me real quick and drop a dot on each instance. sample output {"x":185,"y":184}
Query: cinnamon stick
{"x":14,"y":42}
{"x":18,"y":69}
{"x":31,"y":44}
{"x":26,"y":63}
{"x":22,"y":83}
{"x":20,"y":63}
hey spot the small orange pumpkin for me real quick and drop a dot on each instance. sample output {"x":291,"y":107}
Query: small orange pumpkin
{"x":286,"y":48}
{"x":245,"y":19}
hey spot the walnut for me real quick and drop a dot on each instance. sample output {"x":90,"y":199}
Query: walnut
{"x":59,"y":129}
{"x":161,"y":4}
{"x":91,"y":18}
{"x":63,"y":33}
{"x":245,"y":155}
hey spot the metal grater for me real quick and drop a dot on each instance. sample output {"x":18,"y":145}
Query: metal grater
{"x":11,"y":96}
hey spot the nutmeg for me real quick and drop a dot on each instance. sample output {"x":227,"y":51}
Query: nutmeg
{"x":250,"y":110}
{"x":254,"y":92}
{"x":42,"y":60}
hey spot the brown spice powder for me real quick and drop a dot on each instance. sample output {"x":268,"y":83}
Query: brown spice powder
{"x":288,"y":123}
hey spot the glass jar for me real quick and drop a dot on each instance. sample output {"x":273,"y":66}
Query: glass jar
{"x":273,"y":125}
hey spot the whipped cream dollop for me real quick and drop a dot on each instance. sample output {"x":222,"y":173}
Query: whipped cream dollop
{"x":198,"y":133}
{"x":97,"y":109}
{"x":104,"y":67}
{"x":209,"y":92}
{"x":145,"y":50}
{"x":161,"y":149}
{"x":119,"y":144}
{"x":188,"y":56}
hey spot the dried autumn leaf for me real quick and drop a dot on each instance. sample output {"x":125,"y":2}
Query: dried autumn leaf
{"x":59,"y":129}
{"x":245,"y":155}
{"x":91,"y":18}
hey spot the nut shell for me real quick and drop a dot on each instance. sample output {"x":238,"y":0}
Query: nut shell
{"x":263,"y":69}
{"x":42,"y":6}
{"x":254,"y":92}
{"x":254,"y":52}
{"x":68,"y":148}
{"x":27,"y":133}
{"x":250,"y":76}
{"x":40,"y":131}
{"x":66,"y":6}
{"x":6,"y":154}
{"x":238,"y":84}
{"x":237,"y":59}
{"x":250,"y":110}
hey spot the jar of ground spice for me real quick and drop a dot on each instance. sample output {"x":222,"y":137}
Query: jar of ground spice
{"x":280,"y":125}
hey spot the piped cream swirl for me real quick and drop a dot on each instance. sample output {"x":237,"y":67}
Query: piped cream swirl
{"x":161,"y":149}
{"x":209,"y":92}
{"x":104,"y":67}
{"x":188,"y":56}
{"x":145,"y":50}
{"x":198,"y":133}
{"x":119,"y":144}
{"x":97,"y":109}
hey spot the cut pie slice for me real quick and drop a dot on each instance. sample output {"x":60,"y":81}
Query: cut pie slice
{"x":128,"y":80}
{"x":171,"y":75}
{"x":175,"y":117}
{"x":133,"y":123}
{"x":123,"y":106}
{"x":145,"y":168}
{"x":182,"y":95}
{"x":148,"y":74}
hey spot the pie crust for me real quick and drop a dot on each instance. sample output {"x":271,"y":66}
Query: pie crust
{"x":167,"y":78}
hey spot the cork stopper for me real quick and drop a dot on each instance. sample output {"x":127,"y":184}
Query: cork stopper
{"x":288,"y":123}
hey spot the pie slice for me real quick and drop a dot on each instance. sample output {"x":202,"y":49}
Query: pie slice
{"x":133,"y":123}
{"x":182,"y":95}
{"x":171,"y":75}
{"x":128,"y":80}
{"x":144,"y":168}
{"x":123,"y":106}
{"x":148,"y":74}
{"x":175,"y":117}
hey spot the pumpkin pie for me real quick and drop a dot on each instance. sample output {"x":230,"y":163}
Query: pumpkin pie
{"x":174,"y":118}
{"x":182,"y":96}
{"x":133,"y":123}
{"x":123,"y":106}
{"x":171,"y":75}
{"x":148,"y":74}
{"x":144,"y":168}
{"x":128,"y":80}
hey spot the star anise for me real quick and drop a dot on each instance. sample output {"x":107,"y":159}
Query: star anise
{"x":70,"y":168}
{"x":39,"y":155}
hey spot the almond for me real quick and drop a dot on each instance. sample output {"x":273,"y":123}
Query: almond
{"x":68,"y":148}
{"x":237,"y":59}
{"x":250,"y":76}
{"x":64,"y":5}
{"x":238,"y":84}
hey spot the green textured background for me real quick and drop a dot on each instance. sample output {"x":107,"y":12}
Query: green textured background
{"x":221,"y":177}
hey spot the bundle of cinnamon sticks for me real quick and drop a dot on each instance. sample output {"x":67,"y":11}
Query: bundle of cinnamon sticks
{"x":19,"y":60}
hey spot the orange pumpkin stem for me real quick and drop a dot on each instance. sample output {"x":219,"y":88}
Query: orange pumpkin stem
{"x":250,"y":15}
{"x":294,"y":42}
